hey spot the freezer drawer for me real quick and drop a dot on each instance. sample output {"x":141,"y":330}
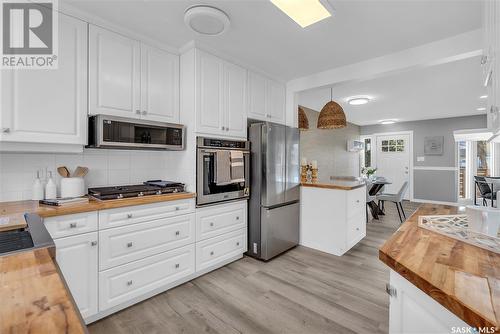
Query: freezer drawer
{"x":279,"y":229}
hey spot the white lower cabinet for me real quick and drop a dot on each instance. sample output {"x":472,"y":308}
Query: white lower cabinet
{"x":220,"y":219}
{"x":413,"y":311}
{"x":213,"y":251}
{"x":133,"y":242}
{"x":77,"y":259}
{"x":123,"y":283}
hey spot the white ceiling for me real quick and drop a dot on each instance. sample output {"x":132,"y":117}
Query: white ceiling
{"x":265,"y":38}
{"x":441,"y":91}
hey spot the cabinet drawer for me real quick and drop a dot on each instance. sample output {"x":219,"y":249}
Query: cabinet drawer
{"x":123,"y":283}
{"x":141,"y":213}
{"x":214,"y":221}
{"x":212,"y":251}
{"x":124,"y":244}
{"x":356,"y":201}
{"x":63,"y":226}
{"x":356,"y":227}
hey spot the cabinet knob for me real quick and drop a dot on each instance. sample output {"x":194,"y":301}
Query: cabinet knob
{"x":138,"y":112}
{"x":222,"y":128}
{"x":357,"y":228}
{"x":391,"y":291}
{"x":227,"y":129}
{"x":72,"y":225}
{"x":357,"y":201}
{"x":211,"y":224}
{"x":238,"y":243}
{"x":129,"y":283}
{"x":211,"y":253}
{"x":237,"y":217}
{"x":177,"y":208}
{"x":129,"y":244}
{"x":177,"y":233}
{"x":177,"y":266}
{"x":5,"y":130}
{"x":129,"y":215}
{"x":93,"y":243}
{"x":144,"y":112}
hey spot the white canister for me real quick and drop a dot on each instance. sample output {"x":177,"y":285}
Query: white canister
{"x":72,"y":187}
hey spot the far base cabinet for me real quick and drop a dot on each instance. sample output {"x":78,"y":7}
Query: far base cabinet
{"x":49,"y":106}
{"x":77,"y":258}
{"x":266,"y":99}
{"x":413,"y":311}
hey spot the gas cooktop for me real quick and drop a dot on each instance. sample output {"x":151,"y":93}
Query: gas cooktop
{"x":148,"y":188}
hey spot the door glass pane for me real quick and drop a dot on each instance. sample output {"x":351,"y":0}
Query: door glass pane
{"x":462,"y":165}
{"x":367,"y":153}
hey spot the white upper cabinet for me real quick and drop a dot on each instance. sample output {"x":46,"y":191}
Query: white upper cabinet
{"x":114,"y":74}
{"x":220,"y":96}
{"x":131,"y":79}
{"x":160,"y":85}
{"x":49,"y":106}
{"x":491,"y":62}
{"x":266,"y":99}
{"x":235,"y":90}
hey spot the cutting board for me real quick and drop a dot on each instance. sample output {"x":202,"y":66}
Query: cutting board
{"x":12,"y":222}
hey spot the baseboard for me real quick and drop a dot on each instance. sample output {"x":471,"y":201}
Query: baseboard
{"x":435,"y":202}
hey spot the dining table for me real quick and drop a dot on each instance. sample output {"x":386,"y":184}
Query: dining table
{"x":376,"y":187}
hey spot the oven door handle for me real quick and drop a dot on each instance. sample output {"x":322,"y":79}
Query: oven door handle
{"x":204,"y":150}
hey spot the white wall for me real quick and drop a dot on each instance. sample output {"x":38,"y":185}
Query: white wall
{"x":107,"y":167}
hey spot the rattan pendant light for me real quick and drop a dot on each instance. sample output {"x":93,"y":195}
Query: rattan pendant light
{"x":303,"y":121}
{"x":332,"y":115}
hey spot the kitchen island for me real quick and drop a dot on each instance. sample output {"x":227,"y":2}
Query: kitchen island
{"x":332,"y":214}
{"x":439,"y":283}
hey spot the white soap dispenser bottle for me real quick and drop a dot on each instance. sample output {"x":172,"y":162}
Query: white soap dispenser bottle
{"x":37,"y":188}
{"x":50,"y":188}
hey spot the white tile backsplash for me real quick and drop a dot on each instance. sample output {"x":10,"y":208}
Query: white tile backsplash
{"x":106,"y":167}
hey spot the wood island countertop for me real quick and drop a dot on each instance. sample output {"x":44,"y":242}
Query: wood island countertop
{"x":463,"y":278}
{"x":339,"y":184}
{"x":44,"y":211}
{"x":34,"y":297}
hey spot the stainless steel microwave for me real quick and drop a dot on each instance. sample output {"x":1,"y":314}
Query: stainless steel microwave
{"x":127,"y":133}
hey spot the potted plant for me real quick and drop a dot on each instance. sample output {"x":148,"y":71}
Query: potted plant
{"x":368,"y":172}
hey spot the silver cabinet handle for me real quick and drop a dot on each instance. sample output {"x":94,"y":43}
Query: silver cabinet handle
{"x":222,"y":128}
{"x":357,"y":201}
{"x":211,"y":224}
{"x":391,"y":291}
{"x":129,"y":283}
{"x":227,"y":129}
{"x":129,"y":215}
{"x":138,"y":112}
{"x":129,"y":244}
{"x":211,"y":253}
{"x":5,"y":130}
{"x":72,"y":225}
{"x":357,"y":228}
{"x":238,"y":243}
{"x":93,"y":243}
{"x":177,"y":233}
{"x":177,"y":208}
{"x":144,"y":112}
{"x":237,"y":217}
{"x":177,"y":266}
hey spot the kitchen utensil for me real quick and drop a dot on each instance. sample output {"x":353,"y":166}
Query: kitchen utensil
{"x":80,"y":171}
{"x":72,"y":187}
{"x":63,"y":171}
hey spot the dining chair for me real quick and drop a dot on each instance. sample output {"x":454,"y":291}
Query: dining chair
{"x":396,"y":199}
{"x":485,"y":190}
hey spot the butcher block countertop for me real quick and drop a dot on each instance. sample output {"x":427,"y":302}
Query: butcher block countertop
{"x":341,"y":184}
{"x":463,"y":278}
{"x":33,"y":295}
{"x":45,"y":211}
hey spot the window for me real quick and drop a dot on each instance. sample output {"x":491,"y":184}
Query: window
{"x":393,"y":145}
{"x":462,"y":166}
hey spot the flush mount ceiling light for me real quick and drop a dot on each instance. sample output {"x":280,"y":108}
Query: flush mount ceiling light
{"x":357,"y":101}
{"x":304,"y":12}
{"x":481,"y":109}
{"x":387,"y":121}
{"x":483,"y":97}
{"x":206,"y":20}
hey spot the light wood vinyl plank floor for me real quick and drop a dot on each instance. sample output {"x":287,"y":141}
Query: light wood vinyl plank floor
{"x":301,"y":291}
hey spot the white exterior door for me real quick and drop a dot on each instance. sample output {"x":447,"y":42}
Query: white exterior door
{"x":393,"y":161}
{"x":114,"y":74}
{"x":160,"y":85}
{"x":235,"y":89}
{"x":209,"y":109}
{"x":49,"y":106}
{"x":77,"y":258}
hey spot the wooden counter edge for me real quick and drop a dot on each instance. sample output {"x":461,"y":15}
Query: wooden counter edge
{"x":452,"y":304}
{"x":330,"y":186}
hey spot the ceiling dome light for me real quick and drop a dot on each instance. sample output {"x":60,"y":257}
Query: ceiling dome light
{"x":387,"y":122}
{"x":357,"y":101}
{"x":483,"y":97}
{"x":206,"y":20}
{"x":481,"y":109}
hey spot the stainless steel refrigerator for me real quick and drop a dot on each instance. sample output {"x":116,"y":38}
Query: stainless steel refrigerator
{"x":273,"y":224}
